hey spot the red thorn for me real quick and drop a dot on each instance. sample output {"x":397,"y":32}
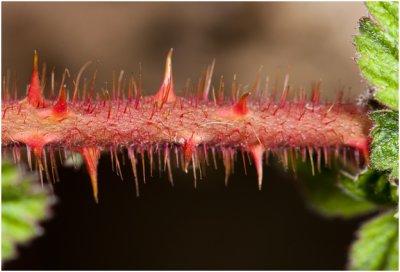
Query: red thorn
{"x":241,"y":107}
{"x":91,"y":157}
{"x":36,"y":140}
{"x":60,"y":107}
{"x":34,"y":92}
{"x":257,"y":152}
{"x":37,"y":151}
{"x":362,"y":145}
{"x":188,"y":147}
{"x":166,"y":93}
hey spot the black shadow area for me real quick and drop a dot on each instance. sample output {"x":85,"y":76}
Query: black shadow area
{"x":212,"y":227}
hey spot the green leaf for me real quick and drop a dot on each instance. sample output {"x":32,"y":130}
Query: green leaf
{"x":325,"y":195}
{"x":24,"y":204}
{"x":385,"y":145}
{"x":377,"y":245}
{"x":370,"y":186}
{"x":386,"y":14}
{"x":377,"y":45}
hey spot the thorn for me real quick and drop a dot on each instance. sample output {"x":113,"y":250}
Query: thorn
{"x":362,"y":145}
{"x":91,"y":157}
{"x":241,"y":107}
{"x":166,"y":93}
{"x":257,"y":152}
{"x":188,"y":147}
{"x":34,"y":92}
{"x":60,"y":108}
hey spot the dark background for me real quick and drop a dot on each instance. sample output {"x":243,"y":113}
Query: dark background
{"x":212,"y":227}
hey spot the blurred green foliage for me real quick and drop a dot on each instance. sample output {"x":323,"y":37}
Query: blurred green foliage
{"x":24,"y":204}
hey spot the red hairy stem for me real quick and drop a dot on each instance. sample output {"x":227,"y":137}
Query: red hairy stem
{"x":165,"y":121}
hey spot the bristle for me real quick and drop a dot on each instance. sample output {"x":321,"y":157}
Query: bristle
{"x":227,"y":164}
{"x":121,"y":75}
{"x":293,"y":157}
{"x":43,"y":78}
{"x":29,"y":156}
{"x":167,"y":161}
{"x":214,"y":159}
{"x":78,"y":77}
{"x":159,"y":161}
{"x":234,"y":89}
{"x":194,"y":171}
{"x":319,"y":160}
{"x":150,"y":155}
{"x":139,"y":87}
{"x":131,"y":155}
{"x":53,"y":165}
{"x":46,"y":168}
{"x":285,"y":92}
{"x":92,"y":85}
{"x":207,"y":85}
{"x":117,"y":164}
{"x":221,"y":91}
{"x":244,"y":163}
{"x":143,"y":165}
{"x":52,"y":84}
{"x":4,"y":89}
{"x":310,"y":153}
{"x":265,"y":94}
{"x":255,"y":89}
